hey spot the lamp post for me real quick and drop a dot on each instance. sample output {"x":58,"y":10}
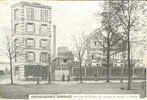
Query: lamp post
{"x":49,"y":68}
{"x":122,"y":64}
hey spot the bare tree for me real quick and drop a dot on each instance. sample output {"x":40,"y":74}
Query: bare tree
{"x":10,"y":57}
{"x":13,"y":48}
{"x":125,"y":11}
{"x":110,"y":46}
{"x":80,"y":47}
{"x":110,"y":38}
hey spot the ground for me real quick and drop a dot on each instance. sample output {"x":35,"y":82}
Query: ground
{"x":22,"y":91}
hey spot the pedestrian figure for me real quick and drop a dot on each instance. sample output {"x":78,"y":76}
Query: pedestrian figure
{"x":68,"y":77}
{"x":63,"y":77}
{"x":76,"y":78}
{"x":38,"y":80}
{"x":95,"y":75}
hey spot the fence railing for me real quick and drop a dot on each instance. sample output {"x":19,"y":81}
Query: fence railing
{"x":92,"y":73}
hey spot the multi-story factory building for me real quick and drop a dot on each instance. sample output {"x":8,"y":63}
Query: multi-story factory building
{"x":31,"y":36}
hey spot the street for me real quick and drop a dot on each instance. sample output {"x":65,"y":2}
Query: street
{"x":21,"y":91}
{"x":4,"y":78}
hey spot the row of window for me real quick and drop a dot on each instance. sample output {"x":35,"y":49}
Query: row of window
{"x":95,"y":43}
{"x":30,"y":57}
{"x":30,"y":28}
{"x":31,"y":14}
{"x":98,"y":55}
{"x":44,"y":14}
{"x":30,"y":43}
{"x":95,"y":55}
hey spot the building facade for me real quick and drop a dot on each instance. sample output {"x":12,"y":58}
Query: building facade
{"x":97,"y":56}
{"x":31,"y":35}
{"x":94,"y":50}
{"x":4,"y":66}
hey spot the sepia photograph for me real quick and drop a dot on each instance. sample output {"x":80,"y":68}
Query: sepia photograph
{"x":50,"y":48}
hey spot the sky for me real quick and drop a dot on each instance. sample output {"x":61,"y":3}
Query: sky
{"x":70,"y":18}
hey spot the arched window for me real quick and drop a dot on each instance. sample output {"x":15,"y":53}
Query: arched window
{"x":30,"y":56}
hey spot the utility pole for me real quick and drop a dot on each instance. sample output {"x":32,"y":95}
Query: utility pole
{"x":54,"y":41}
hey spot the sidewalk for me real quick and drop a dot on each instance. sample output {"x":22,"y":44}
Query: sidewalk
{"x":64,"y":82}
{"x":6,"y":80}
{"x":22,"y":91}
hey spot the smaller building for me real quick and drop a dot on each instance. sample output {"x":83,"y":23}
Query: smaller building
{"x":94,"y":48}
{"x":4,"y":67}
{"x":97,"y":55}
{"x":62,"y":64}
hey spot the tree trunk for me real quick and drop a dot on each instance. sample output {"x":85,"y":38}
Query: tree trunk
{"x":108,"y":61}
{"x":81,"y":80}
{"x":11,"y":69}
{"x":129,"y":65}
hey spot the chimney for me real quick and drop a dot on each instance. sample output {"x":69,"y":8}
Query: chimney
{"x":54,"y":41}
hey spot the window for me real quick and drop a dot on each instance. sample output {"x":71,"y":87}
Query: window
{"x":43,"y":29}
{"x":44,"y":57}
{"x":30,"y":13}
{"x":92,"y":56}
{"x":30,"y":27}
{"x":30,"y":43}
{"x":30,"y":56}
{"x":95,"y":43}
{"x":44,"y":15}
{"x":65,"y":60}
{"x":16,"y":28}
{"x":16,"y":44}
{"x":43,"y":43}
{"x":16,"y":14}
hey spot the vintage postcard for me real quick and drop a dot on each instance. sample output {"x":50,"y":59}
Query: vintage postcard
{"x":73,"y":50}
